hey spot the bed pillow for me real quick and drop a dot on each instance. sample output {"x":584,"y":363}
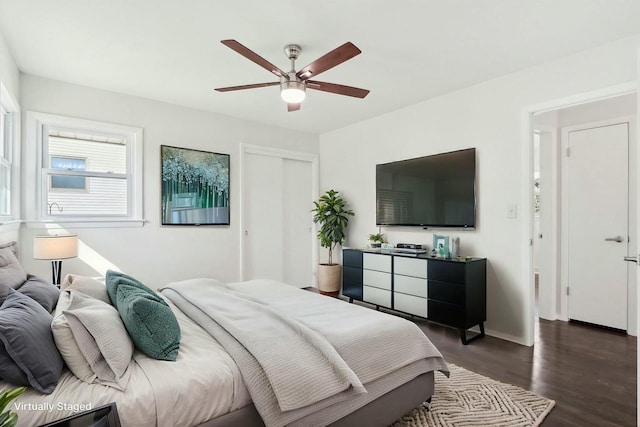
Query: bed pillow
{"x":66,"y":344}
{"x":87,"y":285}
{"x":28,"y":353}
{"x":11,"y":245}
{"x":92,"y":340}
{"x":11,"y":273}
{"x":45,"y":293}
{"x":149,"y":320}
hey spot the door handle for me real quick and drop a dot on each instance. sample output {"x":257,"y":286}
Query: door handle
{"x":618,"y":239}
{"x":631,"y":259}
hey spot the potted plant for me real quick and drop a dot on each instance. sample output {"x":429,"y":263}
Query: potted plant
{"x":8,"y":418}
{"x":331,"y":214}
{"x":376,"y":240}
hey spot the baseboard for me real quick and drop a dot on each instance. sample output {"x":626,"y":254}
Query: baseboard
{"x":502,"y":336}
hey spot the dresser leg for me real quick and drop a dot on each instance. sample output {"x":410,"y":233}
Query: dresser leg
{"x":463,"y":334}
{"x":350,"y":300}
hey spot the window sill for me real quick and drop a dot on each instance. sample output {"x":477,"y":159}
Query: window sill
{"x":86,"y":223}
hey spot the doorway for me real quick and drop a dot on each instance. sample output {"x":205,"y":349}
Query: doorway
{"x":551,"y":256}
{"x":277,"y":235}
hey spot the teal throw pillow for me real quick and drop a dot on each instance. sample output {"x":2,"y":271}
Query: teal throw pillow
{"x":151,"y":324}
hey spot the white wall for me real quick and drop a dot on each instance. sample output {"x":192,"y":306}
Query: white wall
{"x":486,"y":116}
{"x":10,"y":78}
{"x":155,"y":254}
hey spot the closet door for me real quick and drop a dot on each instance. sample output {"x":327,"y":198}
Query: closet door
{"x":277,"y":196}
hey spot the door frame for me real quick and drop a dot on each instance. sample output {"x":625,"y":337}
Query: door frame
{"x":564,"y":235}
{"x":312,"y":158}
{"x":526,"y":186}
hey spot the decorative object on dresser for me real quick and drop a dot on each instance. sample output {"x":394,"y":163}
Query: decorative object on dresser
{"x":441,"y":246}
{"x":55,"y":248}
{"x":447,"y":291}
{"x":331,"y":213}
{"x":376,"y":240}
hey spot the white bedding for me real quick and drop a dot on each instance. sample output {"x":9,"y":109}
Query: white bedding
{"x":305,"y":357}
{"x":202,"y":384}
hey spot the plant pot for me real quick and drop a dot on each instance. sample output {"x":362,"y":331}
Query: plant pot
{"x":375,"y":245}
{"x":329,"y":279}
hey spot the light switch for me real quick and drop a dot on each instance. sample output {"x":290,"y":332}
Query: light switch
{"x":512,"y":211}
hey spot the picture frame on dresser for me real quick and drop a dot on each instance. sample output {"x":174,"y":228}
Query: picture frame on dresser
{"x":441,"y":246}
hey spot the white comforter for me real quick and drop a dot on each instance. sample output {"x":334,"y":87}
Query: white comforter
{"x":305,"y":357}
{"x":203,"y":383}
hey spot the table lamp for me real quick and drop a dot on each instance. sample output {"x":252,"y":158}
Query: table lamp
{"x":55,"y":248}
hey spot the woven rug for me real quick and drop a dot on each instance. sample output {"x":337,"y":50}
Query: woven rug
{"x":468,"y":399}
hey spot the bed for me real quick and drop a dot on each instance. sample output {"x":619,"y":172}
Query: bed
{"x":383,"y":364}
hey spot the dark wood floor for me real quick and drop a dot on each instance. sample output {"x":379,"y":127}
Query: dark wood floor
{"x":588,"y":371}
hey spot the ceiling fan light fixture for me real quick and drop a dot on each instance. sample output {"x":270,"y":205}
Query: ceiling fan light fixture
{"x":293,"y":92}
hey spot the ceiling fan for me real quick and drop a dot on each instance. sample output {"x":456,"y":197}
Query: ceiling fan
{"x":293,"y":85}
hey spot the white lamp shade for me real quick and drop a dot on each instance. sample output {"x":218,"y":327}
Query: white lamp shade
{"x":55,"y":247}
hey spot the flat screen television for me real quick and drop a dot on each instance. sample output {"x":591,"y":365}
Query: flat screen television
{"x":433,"y":191}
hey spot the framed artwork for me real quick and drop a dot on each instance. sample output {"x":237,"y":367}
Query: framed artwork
{"x":195,"y":187}
{"x":441,"y":246}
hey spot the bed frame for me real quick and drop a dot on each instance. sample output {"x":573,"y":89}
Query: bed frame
{"x":381,"y":412}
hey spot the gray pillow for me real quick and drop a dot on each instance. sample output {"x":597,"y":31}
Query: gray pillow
{"x":92,"y":340}
{"x":28,"y":354}
{"x":11,"y":273}
{"x":87,"y":285}
{"x":11,"y":245}
{"x":45,"y":293}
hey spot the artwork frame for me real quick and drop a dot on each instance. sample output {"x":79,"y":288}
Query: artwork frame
{"x":195,"y":187}
{"x":441,"y":246}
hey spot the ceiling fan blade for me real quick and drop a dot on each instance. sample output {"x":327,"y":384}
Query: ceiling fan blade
{"x":293,"y":106}
{"x":253,"y":86}
{"x":338,"y":89}
{"x":252,"y":56}
{"x":328,"y":61}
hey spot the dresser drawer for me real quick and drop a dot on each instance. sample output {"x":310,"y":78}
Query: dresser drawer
{"x":453,"y":293}
{"x":410,"y":304}
{"x":447,"y":271}
{"x":352,"y":275}
{"x":410,"y":285}
{"x":352,"y":290}
{"x":351,"y":258}
{"x":447,"y":314}
{"x":377,"y":279}
{"x":377,"y":262}
{"x":410,"y":266}
{"x":376,"y":296}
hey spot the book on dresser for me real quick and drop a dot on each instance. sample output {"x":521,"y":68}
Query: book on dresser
{"x":451,"y":292}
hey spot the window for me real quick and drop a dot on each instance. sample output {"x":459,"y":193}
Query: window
{"x":89,"y":171}
{"x":9,"y":116}
{"x":68,"y":183}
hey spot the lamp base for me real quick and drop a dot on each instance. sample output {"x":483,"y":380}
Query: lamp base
{"x":56,"y":268}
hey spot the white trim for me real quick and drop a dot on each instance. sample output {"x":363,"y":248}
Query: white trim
{"x":313,"y":158}
{"x":35,"y":175}
{"x":89,"y":223}
{"x":527,"y":112}
{"x":11,"y":106}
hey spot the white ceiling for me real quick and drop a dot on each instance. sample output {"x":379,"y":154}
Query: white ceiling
{"x":412,"y":50}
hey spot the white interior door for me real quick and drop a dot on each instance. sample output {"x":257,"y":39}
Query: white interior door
{"x":277,"y":196}
{"x":297,"y":220}
{"x":598,"y":223}
{"x":263,"y":208}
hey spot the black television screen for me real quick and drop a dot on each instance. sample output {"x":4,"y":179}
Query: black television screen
{"x":430,"y":191}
